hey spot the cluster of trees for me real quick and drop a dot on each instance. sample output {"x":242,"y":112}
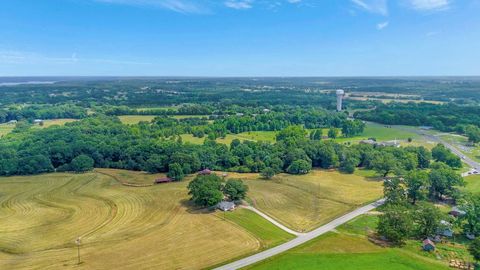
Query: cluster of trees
{"x":42,"y":112}
{"x":448,"y":117}
{"x":443,"y":154}
{"x":209,"y":190}
{"x":408,"y":212}
{"x":111,"y":144}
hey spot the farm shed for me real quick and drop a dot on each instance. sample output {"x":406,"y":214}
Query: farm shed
{"x":163,"y":180}
{"x":428,"y":245}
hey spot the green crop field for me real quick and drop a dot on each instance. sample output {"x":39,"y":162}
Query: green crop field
{"x":121,"y":227}
{"x":303,"y":202}
{"x":348,"y":248}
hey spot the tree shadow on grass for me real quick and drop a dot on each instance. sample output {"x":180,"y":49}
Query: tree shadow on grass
{"x":195,"y":209}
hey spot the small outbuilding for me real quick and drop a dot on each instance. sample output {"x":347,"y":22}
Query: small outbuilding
{"x":226,"y":206}
{"x":428,"y":245}
{"x":37,"y":121}
{"x":12,"y":122}
{"x":205,"y":172}
{"x":456,"y":212}
{"x":445,"y":229}
{"x":163,"y":180}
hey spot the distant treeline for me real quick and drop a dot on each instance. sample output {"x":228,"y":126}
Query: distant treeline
{"x":448,"y":117}
{"x":31,"y":112}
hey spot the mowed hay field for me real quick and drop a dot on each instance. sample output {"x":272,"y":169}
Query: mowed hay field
{"x":121,"y":227}
{"x":304,"y":202}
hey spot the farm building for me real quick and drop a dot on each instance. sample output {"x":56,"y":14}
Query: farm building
{"x":12,"y":122}
{"x":445,"y":229}
{"x":163,"y":180}
{"x":456,"y":212}
{"x":37,"y":121}
{"x":205,"y":172}
{"x":226,"y":206}
{"x":428,"y":245}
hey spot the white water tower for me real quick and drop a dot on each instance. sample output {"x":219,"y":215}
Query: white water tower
{"x":340,"y":95}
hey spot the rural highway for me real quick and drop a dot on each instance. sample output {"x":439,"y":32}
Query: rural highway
{"x":470,"y":162}
{"x":301,"y":238}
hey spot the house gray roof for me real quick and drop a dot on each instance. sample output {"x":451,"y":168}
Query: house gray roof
{"x":224,"y":205}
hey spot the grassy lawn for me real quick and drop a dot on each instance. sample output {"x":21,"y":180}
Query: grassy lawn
{"x":304,"y":202}
{"x":349,"y":249}
{"x":135,"y":119}
{"x":268,"y":234}
{"x":381,"y":133}
{"x":268,"y":136}
{"x":60,"y":122}
{"x":5,"y":129}
{"x":121,"y":227}
{"x":472,"y":183}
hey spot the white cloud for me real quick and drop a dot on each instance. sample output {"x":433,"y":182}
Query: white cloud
{"x":239,"y":4}
{"x":429,"y":5}
{"x":181,"y":6}
{"x":381,"y":26}
{"x":373,"y":6}
{"x":294,"y":1}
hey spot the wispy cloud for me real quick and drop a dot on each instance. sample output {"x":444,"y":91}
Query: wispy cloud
{"x":381,"y":26}
{"x":22,"y":57}
{"x":181,"y":6}
{"x":239,"y":4}
{"x":430,"y":5}
{"x":373,"y":6}
{"x":294,"y":1}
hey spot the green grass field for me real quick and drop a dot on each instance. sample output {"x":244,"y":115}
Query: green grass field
{"x":348,"y":248}
{"x":135,"y":119}
{"x":472,"y":183}
{"x":268,"y":136}
{"x":381,"y":133}
{"x":268,"y":234}
{"x":5,"y":129}
{"x":121,"y":227}
{"x":303,"y":202}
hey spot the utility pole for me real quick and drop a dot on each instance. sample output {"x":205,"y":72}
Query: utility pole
{"x":78,"y":242}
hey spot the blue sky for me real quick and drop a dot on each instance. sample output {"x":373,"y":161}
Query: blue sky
{"x":240,"y":37}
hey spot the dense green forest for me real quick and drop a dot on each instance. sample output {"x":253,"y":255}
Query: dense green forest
{"x":111,"y":144}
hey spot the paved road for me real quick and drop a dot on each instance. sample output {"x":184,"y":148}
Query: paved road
{"x":273,"y":221}
{"x":475,"y":165}
{"x":301,"y":238}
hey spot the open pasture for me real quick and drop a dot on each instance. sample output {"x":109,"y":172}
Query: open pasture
{"x":120,"y":227}
{"x":349,"y":249}
{"x":303,"y":202}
